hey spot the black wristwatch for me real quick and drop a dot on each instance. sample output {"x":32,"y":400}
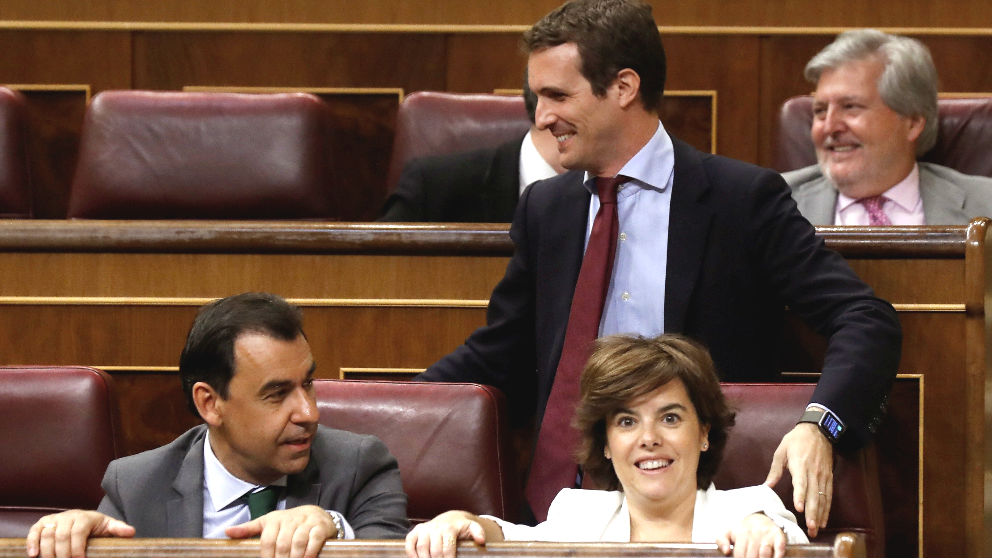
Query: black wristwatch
{"x":829,"y":423}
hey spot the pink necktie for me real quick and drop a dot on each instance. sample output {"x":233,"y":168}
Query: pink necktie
{"x":553,"y":466}
{"x":876,"y":217}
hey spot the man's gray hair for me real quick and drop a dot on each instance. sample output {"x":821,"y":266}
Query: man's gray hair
{"x":908,"y":84}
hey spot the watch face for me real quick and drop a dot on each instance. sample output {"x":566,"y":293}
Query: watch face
{"x":831,"y":425}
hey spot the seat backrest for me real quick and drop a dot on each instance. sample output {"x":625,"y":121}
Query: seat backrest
{"x":964,"y":135}
{"x":58,"y":430}
{"x":15,"y":185}
{"x":450,"y":440}
{"x":435,"y":123}
{"x":765,"y":413}
{"x":194,"y":155}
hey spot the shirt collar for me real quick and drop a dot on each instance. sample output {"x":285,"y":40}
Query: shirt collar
{"x":651,"y":167}
{"x":905,"y":194}
{"x":223,"y":487}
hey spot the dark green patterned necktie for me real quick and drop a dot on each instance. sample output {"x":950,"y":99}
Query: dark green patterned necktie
{"x":263,"y":501}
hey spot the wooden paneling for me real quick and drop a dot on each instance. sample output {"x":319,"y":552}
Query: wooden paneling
{"x":165,"y":60}
{"x":795,"y":13}
{"x":382,"y":298}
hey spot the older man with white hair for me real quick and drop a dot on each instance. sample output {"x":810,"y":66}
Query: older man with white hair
{"x":874,"y":112}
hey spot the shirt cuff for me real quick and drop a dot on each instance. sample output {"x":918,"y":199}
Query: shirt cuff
{"x":349,"y":533}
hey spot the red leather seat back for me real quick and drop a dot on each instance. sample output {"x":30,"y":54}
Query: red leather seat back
{"x":964,"y":135}
{"x":435,"y":123}
{"x":184,"y":155}
{"x":450,"y":440}
{"x":765,"y":413}
{"x":58,"y":430}
{"x":15,"y":185}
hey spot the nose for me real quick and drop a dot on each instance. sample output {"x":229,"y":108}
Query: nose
{"x":832,"y":121}
{"x":305,"y":408}
{"x":543,"y":117}
{"x":649,"y":436}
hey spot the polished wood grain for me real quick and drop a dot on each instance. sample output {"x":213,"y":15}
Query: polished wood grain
{"x":846,"y":545}
{"x":796,"y":13}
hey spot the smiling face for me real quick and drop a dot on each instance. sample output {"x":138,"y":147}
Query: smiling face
{"x":585,"y":126}
{"x":654,"y":443}
{"x":264,"y":428}
{"x":862,"y":145}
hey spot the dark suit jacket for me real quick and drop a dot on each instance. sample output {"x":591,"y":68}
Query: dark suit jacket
{"x":739,"y":252}
{"x":479,"y":186}
{"x":160,"y":492}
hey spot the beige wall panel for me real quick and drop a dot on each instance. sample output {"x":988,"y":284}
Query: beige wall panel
{"x":171,"y":60}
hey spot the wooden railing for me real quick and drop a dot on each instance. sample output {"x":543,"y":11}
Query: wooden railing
{"x":846,"y":545}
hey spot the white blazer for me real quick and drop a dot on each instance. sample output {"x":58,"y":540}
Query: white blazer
{"x":602,"y":516}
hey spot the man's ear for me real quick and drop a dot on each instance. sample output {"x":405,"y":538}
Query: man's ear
{"x":208,"y":403}
{"x":628,"y":84}
{"x":914,"y":128}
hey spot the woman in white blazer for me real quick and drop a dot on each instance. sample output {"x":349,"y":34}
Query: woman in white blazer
{"x":654,"y":423}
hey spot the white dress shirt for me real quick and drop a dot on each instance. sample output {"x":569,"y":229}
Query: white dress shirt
{"x":224,"y":498}
{"x":635,"y":301}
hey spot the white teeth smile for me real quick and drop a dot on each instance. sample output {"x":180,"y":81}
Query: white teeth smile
{"x":843,"y":148}
{"x":654,"y":464}
{"x":561,"y":139}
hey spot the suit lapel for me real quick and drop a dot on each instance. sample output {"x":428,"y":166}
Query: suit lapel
{"x":689,"y":223}
{"x":563,"y":221}
{"x":943,"y":201}
{"x":818,"y":201}
{"x":184,"y":510}
{"x":303,"y":489}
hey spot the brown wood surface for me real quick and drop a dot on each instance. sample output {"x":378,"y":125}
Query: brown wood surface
{"x":846,"y":545}
{"x":795,"y":13}
{"x":391,"y":299}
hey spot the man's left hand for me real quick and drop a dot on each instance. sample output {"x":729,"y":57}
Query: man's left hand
{"x":809,"y":456}
{"x":291,"y":533}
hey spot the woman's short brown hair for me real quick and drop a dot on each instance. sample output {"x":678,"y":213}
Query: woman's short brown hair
{"x":623,"y":368}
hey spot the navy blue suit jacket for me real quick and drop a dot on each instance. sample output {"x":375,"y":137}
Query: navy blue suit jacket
{"x":739,"y":253}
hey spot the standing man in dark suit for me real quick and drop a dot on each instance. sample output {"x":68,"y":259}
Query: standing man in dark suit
{"x":260,"y":466}
{"x":480,"y":186}
{"x":706,"y":246}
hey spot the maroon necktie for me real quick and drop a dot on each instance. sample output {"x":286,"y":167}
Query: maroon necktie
{"x":553,"y":466}
{"x":875,"y":214}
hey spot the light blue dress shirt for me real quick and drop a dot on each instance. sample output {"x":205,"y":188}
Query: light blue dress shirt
{"x":635,"y":301}
{"x":224,"y":504}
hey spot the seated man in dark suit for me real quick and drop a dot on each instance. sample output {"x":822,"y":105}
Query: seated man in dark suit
{"x":480,"y":186}
{"x":874,"y":113}
{"x":260,"y":466}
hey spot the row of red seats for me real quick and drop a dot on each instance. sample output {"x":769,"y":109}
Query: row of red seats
{"x":59,"y":430}
{"x":193,"y":155}
{"x":172,"y":155}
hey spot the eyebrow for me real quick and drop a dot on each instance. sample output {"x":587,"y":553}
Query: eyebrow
{"x":665,"y":409}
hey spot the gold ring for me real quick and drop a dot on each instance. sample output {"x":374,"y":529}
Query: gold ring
{"x":822,"y":493}
{"x":450,"y":541}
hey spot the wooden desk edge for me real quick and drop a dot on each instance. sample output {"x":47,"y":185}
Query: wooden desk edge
{"x":38,"y":235}
{"x":846,"y":545}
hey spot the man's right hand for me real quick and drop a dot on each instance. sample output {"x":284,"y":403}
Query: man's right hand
{"x":64,"y":535}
